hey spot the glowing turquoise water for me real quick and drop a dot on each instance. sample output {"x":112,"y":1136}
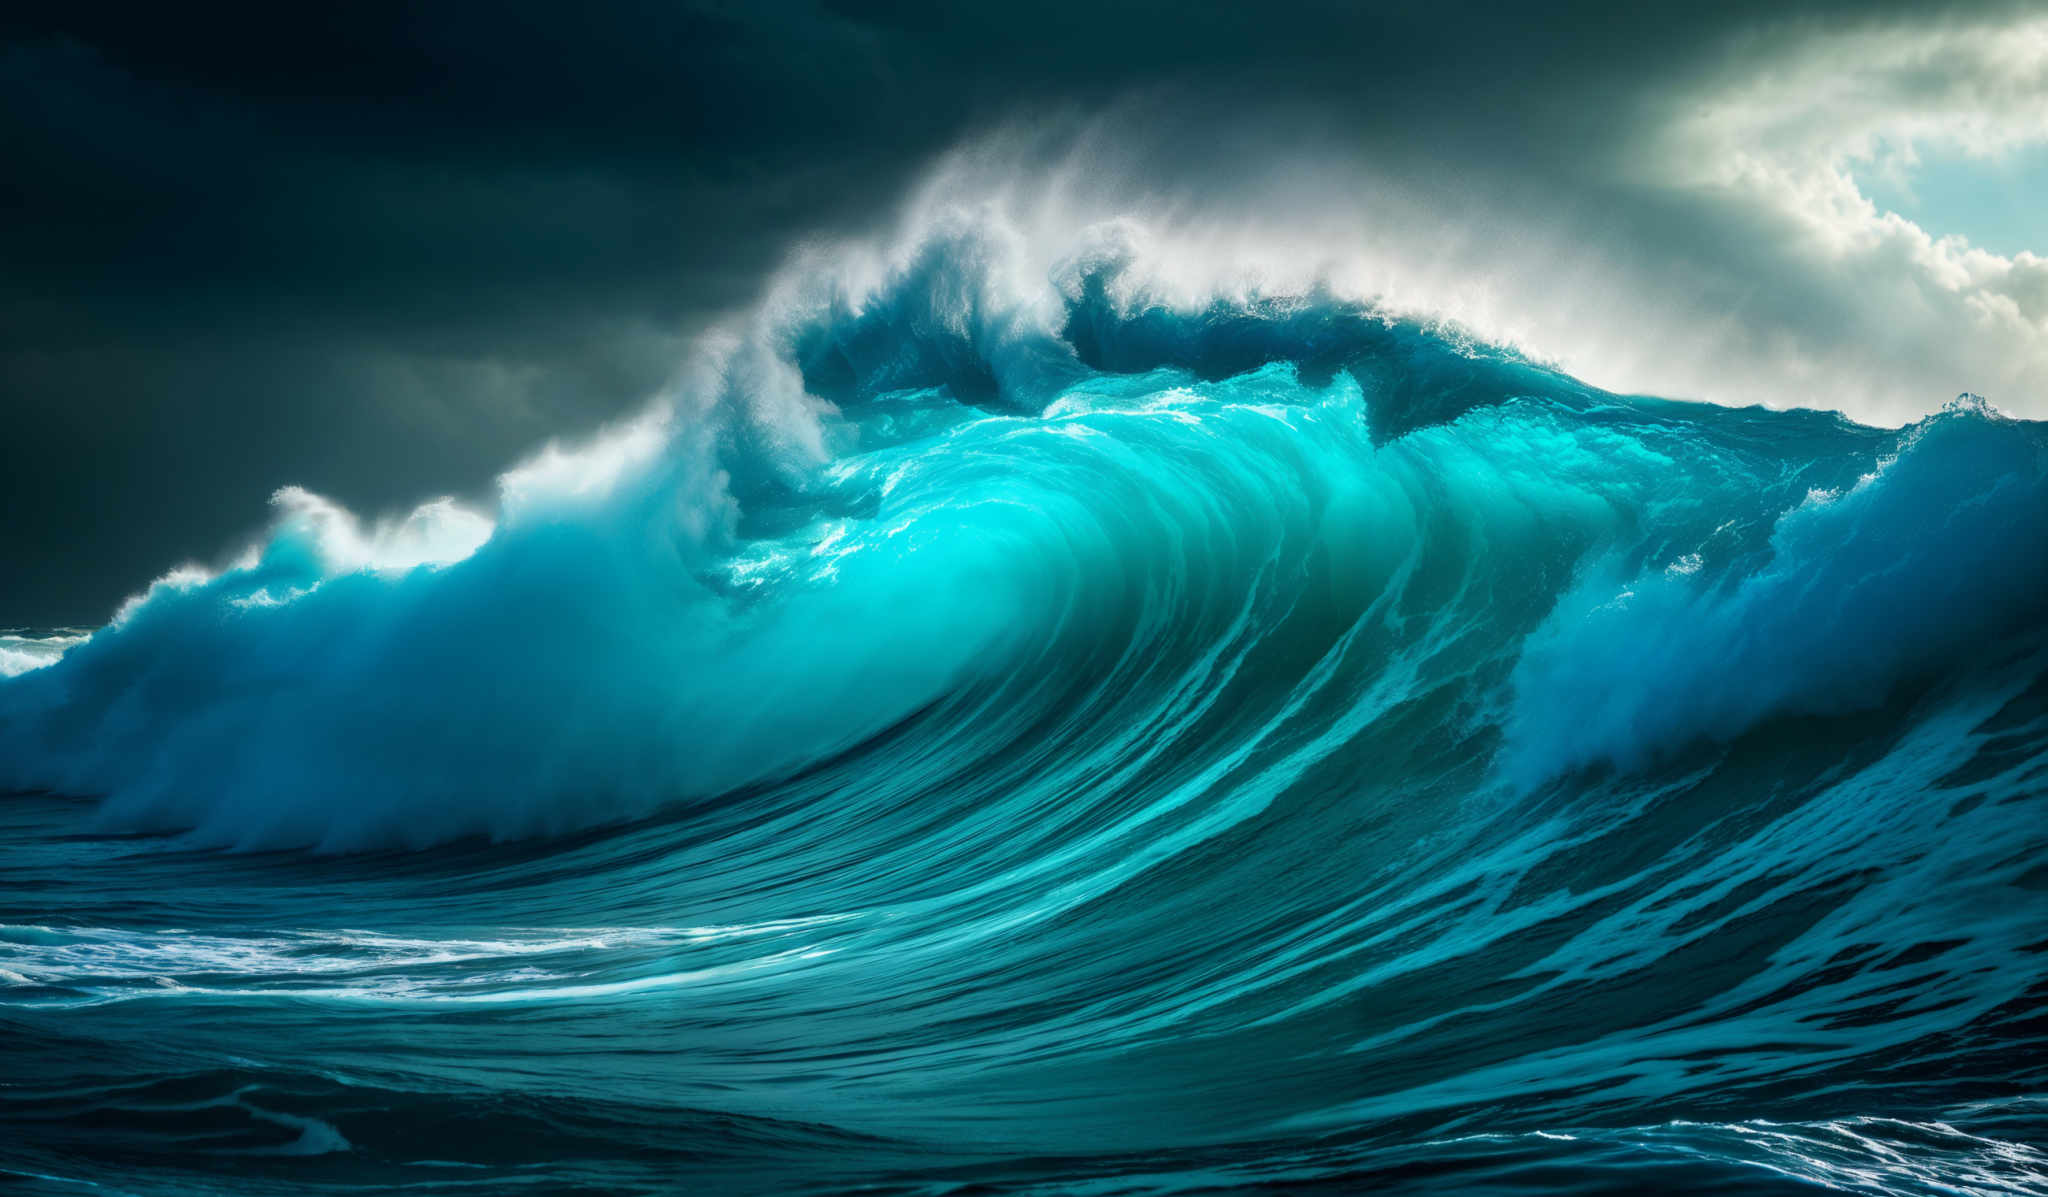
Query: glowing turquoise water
{"x":1266,"y":744}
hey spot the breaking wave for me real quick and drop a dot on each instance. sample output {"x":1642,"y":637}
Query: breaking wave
{"x":1015,"y":709}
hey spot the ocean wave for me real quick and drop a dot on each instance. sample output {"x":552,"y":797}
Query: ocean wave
{"x":992,"y":719}
{"x":958,"y":487}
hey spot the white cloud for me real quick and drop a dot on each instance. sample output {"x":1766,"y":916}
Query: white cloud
{"x":1773,"y":141}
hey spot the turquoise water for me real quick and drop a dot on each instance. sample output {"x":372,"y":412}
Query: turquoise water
{"x":1136,"y":749}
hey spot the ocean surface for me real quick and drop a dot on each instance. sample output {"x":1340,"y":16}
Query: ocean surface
{"x":981,"y":738}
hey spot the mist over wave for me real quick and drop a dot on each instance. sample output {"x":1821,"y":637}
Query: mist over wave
{"x":1014,"y":702}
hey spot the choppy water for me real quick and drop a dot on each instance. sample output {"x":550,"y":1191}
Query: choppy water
{"x":1122,"y":750}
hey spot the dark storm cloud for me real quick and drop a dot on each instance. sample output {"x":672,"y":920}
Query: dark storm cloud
{"x":381,"y":249}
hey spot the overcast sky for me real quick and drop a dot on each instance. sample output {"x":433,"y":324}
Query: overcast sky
{"x":384,"y":252}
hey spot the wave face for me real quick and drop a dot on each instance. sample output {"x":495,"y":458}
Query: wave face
{"x":1034,"y":735}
